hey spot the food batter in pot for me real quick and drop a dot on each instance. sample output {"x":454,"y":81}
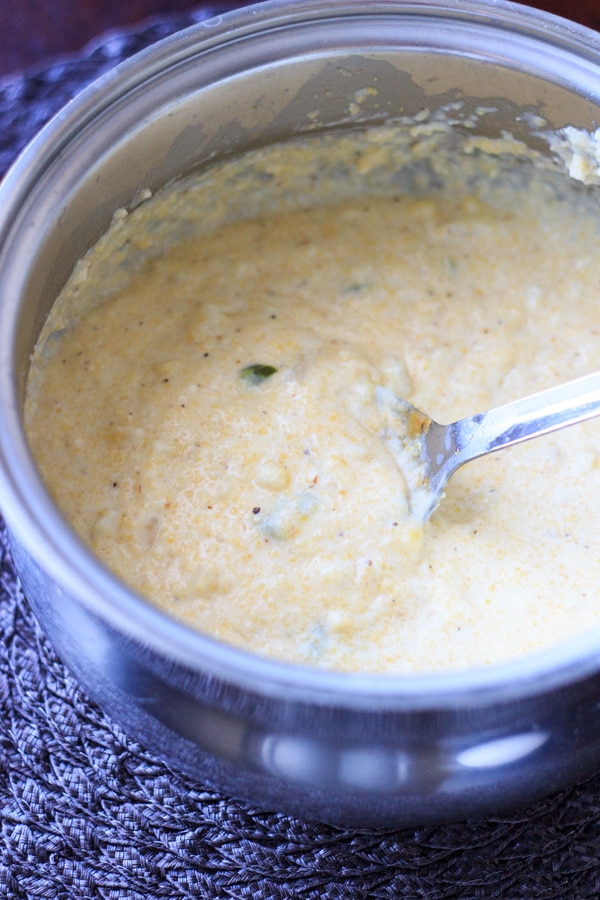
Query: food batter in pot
{"x":211,"y":420}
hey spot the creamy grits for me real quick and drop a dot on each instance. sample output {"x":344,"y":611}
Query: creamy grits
{"x":212,"y":420}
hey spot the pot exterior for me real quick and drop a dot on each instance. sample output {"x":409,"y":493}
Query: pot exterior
{"x":379,"y":768}
{"x":347,"y":750}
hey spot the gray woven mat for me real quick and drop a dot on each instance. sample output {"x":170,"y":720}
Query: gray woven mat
{"x":87,"y":813}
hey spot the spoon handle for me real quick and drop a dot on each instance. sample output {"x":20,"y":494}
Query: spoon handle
{"x":537,"y":414}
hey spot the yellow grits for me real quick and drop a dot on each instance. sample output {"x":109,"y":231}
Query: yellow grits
{"x":211,"y":421}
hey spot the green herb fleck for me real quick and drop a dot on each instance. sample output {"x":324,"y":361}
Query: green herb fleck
{"x":357,"y":287}
{"x":257,"y":373}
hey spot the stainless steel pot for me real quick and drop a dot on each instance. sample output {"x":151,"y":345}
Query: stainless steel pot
{"x":350,"y":749}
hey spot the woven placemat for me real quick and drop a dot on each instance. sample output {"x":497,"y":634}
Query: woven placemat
{"x":85,"y":812}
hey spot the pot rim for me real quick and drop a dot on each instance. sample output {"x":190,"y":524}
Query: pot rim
{"x":35,"y":521}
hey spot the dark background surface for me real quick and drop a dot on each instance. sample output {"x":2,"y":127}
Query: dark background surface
{"x":32,"y":31}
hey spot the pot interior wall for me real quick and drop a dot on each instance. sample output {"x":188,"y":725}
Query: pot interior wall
{"x":217,"y":103}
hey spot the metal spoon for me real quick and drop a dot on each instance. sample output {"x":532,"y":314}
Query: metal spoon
{"x":430,"y":453}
